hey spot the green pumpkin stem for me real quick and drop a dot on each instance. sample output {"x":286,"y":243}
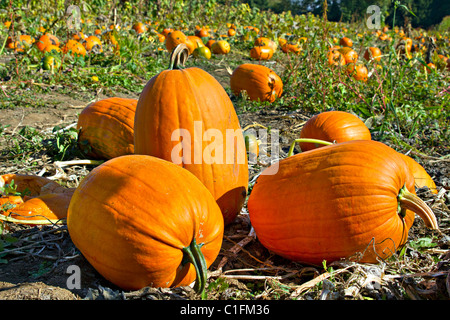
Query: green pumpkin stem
{"x":306,"y":140}
{"x":409,"y":201}
{"x":194,"y":255}
{"x":179,"y":56}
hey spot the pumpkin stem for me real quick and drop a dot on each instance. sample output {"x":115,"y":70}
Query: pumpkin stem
{"x":410,"y":201}
{"x":291,"y":149}
{"x":179,"y":56}
{"x":194,"y":255}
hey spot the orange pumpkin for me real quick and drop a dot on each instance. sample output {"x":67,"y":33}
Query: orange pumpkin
{"x":346,"y":42}
{"x":430,"y":67}
{"x":139,"y":27}
{"x":202,"y":32}
{"x":193,"y":42}
{"x":209,"y":43}
{"x":79,"y":36}
{"x":75,"y":47}
{"x":93,"y":43}
{"x":51,"y":48}
{"x":106,"y":128}
{"x":373,"y":53}
{"x":165,"y":235}
{"x":231,"y":32}
{"x":42,"y":201}
{"x":178,"y":111}
{"x":290,"y":47}
{"x":261,"y":53}
{"x":353,"y":199}
{"x":174,"y":38}
{"x":261,"y":41}
{"x":260,"y":82}
{"x":25,"y":41}
{"x":333,"y":126}
{"x":46,"y":40}
{"x":358,"y":71}
{"x":421,"y":176}
{"x":335,"y":58}
{"x":166,"y":31}
{"x":350,"y":55}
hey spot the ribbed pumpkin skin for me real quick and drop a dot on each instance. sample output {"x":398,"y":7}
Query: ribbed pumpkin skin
{"x":178,"y":99}
{"x":332,"y":126}
{"x":260,"y":82}
{"x":107,"y":127}
{"x":333,"y":202}
{"x":132,"y":216}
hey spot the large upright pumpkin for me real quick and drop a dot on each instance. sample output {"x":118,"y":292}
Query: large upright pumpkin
{"x":185,"y":116}
{"x":107,"y":128}
{"x":143,"y":221}
{"x":349,"y":199}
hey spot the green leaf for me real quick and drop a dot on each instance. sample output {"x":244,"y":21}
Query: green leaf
{"x":422,"y":243}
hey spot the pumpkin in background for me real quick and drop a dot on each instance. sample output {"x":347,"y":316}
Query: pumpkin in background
{"x":74,"y":47}
{"x":79,"y":36}
{"x":430,"y":67}
{"x":346,"y":42}
{"x":202,"y":52}
{"x":185,"y":116}
{"x":193,"y":42}
{"x":350,"y":55}
{"x":373,"y":53}
{"x":106,"y":128}
{"x":139,"y":27}
{"x":39,"y":200}
{"x":165,"y":235}
{"x":335,"y":58}
{"x":347,"y":199}
{"x":174,"y":38}
{"x":261,"y":53}
{"x":260,"y":82}
{"x":51,"y":48}
{"x":338,"y":126}
{"x":291,"y":47}
{"x":93,"y":43}
{"x":46,"y":40}
{"x":358,"y":71}
{"x":202,"y":32}
{"x":421,"y":176}
{"x":263,"y":41}
{"x":220,"y":47}
{"x":25,"y":41}
{"x":231,"y":32}
{"x":209,"y":43}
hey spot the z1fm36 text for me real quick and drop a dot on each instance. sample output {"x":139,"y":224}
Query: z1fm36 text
{"x":231,"y":309}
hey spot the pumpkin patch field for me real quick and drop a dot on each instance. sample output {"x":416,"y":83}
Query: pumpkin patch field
{"x":189,"y":150}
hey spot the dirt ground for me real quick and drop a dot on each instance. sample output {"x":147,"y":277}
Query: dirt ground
{"x":43,"y":272}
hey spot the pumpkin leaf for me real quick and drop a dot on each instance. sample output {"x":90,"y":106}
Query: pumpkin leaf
{"x":422,"y":244}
